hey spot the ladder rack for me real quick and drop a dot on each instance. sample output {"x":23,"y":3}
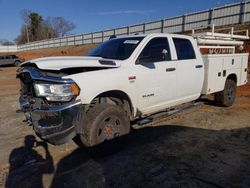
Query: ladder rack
{"x":233,"y":38}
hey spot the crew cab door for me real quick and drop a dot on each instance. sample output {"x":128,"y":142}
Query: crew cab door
{"x":156,"y":76}
{"x":190,"y":70}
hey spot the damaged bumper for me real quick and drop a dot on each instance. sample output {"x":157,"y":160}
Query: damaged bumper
{"x":56,"y":125}
{"x":53,"y":122}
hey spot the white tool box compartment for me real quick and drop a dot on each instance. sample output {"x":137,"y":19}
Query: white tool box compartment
{"x":219,"y":66}
{"x":244,"y":70}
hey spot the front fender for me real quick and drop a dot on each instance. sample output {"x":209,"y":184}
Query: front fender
{"x":95,"y":83}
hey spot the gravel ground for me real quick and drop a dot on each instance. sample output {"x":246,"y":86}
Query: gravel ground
{"x":207,"y":146}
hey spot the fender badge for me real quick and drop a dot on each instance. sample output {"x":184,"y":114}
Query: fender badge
{"x":132,"y":79}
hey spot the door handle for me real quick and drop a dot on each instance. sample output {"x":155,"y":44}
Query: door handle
{"x":170,"y":69}
{"x":198,"y":66}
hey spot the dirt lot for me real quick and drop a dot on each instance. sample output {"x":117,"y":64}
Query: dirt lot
{"x":206,"y":146}
{"x":77,"y":50}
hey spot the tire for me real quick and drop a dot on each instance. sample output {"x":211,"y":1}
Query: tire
{"x":17,"y":63}
{"x":102,"y":123}
{"x":227,"y":96}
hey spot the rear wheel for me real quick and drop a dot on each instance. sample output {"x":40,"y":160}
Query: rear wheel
{"x":104,"y":122}
{"x":228,"y":95}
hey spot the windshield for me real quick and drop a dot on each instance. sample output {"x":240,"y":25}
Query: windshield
{"x":120,"y":48}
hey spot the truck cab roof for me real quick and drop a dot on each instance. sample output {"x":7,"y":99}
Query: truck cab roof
{"x":152,"y":35}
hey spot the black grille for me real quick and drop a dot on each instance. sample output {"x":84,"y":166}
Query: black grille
{"x":25,"y":77}
{"x":26,"y":84}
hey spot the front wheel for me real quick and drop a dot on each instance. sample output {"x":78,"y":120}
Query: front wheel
{"x":228,"y":95}
{"x":104,"y":122}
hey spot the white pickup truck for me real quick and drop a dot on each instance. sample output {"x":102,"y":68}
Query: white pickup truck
{"x":126,"y":79}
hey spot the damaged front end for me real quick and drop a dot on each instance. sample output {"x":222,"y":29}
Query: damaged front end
{"x":50,"y":104}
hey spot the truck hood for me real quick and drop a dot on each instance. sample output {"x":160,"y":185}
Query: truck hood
{"x":65,"y":62}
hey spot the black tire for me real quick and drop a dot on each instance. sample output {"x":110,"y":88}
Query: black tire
{"x":227,"y":96}
{"x":102,"y":123}
{"x":17,"y":63}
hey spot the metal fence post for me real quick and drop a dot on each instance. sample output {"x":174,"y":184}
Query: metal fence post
{"x":242,"y":12}
{"x":162,"y":26}
{"x":127,"y":30}
{"x":144,"y":28}
{"x":82,"y":38}
{"x":102,"y":36}
{"x":183,"y":22}
{"x":211,"y":16}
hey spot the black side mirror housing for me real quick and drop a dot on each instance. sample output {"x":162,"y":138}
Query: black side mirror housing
{"x":142,"y":60}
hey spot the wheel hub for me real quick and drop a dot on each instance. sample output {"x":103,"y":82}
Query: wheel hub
{"x":108,"y":130}
{"x":230,"y":93}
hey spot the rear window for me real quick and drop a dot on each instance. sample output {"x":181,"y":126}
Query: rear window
{"x":184,"y":49}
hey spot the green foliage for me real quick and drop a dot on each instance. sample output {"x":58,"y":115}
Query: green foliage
{"x":36,"y":28}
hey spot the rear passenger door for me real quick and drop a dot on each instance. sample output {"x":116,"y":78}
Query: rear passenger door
{"x":189,"y":70}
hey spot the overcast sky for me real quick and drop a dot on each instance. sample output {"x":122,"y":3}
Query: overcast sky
{"x":94,"y":15}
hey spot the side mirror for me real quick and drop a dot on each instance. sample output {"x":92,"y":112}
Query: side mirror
{"x":138,"y":62}
{"x":155,"y":55}
{"x":141,"y":60}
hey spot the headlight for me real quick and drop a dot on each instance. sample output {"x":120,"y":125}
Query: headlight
{"x":56,"y":92}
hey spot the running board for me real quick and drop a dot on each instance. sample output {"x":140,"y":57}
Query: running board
{"x":151,"y":118}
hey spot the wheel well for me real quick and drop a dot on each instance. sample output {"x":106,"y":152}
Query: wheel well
{"x":115,"y":97}
{"x":232,"y":77}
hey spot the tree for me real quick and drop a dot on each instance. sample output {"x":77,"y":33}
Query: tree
{"x":36,"y":28}
{"x":47,"y":31}
{"x":23,"y":37}
{"x":25,"y":16}
{"x":61,"y":26}
{"x":25,"y":29}
{"x":31,"y":28}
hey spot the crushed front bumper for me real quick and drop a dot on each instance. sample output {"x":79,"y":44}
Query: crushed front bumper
{"x":55,"y":125}
{"x":53,"y":122}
